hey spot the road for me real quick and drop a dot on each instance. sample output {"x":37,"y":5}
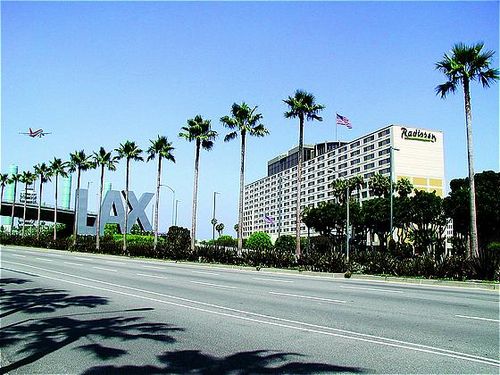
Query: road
{"x":75,"y":313}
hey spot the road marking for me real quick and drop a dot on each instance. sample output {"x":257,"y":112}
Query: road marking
{"x":267,"y":279}
{"x":477,"y":318}
{"x":54,"y":255}
{"x":155,"y":268}
{"x":43,"y":259}
{"x":214,"y":285}
{"x":18,"y":255}
{"x":74,"y":264}
{"x":113,"y":262}
{"x":206,"y":273}
{"x":309,"y":297}
{"x":104,"y":269}
{"x":156,"y":277}
{"x":377,"y":289}
{"x":314,"y":328}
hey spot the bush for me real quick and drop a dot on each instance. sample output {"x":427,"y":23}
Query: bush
{"x":226,"y":240}
{"x":259,"y":241}
{"x":177,"y":244}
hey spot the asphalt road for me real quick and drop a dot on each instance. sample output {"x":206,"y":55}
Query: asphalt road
{"x":65,"y":313}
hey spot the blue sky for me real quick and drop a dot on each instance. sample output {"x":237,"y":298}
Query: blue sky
{"x":99,"y":73}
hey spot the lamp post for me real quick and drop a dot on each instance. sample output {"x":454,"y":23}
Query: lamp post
{"x":214,"y":220}
{"x":176,"y":203}
{"x":173,"y":201}
{"x":391,"y":159}
{"x":347,"y":221}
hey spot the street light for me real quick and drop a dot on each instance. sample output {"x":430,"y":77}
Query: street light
{"x":176,"y":203}
{"x":391,"y":157}
{"x":173,"y":201}
{"x":214,"y":221}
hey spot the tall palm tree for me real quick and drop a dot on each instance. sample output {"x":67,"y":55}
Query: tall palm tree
{"x":57,"y":168}
{"x":4,"y":181}
{"x":199,"y":131}
{"x":243,"y":120}
{"x":130,"y":151}
{"x":303,"y":106}
{"x":79,"y":162}
{"x":466,"y":64}
{"x":27,"y":178}
{"x":105,"y":160}
{"x":162,"y":148}
{"x":356,"y":183}
{"x":44,"y":173}
{"x":14,"y":179}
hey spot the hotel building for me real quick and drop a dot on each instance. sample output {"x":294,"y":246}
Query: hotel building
{"x":270,"y":202}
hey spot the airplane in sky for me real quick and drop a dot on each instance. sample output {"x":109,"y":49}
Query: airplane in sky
{"x":36,"y":133}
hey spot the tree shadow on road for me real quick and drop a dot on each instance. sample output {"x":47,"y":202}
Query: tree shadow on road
{"x":248,"y":362}
{"x":40,"y":300}
{"x":39,"y":336}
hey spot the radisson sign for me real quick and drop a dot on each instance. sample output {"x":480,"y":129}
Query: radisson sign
{"x":418,"y":135}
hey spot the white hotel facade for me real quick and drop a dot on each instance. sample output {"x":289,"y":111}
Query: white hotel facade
{"x":418,"y":155}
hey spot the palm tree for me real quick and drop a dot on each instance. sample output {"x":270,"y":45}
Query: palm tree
{"x":243,"y":120}
{"x":356,"y":183}
{"x":57,"y":168}
{"x":199,"y":131}
{"x":303,"y":106}
{"x":380,"y":185}
{"x":219,"y":228}
{"x":27,"y":178}
{"x":14,"y":179}
{"x":78,"y":162}
{"x":43,"y":171}
{"x":4,"y":181}
{"x":163,"y":148}
{"x":466,"y":64}
{"x":129,"y":151}
{"x":106,"y":161}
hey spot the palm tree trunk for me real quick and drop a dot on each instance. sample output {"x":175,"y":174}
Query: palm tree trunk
{"x":299,"y":187}
{"x":1,"y":196}
{"x":474,"y":250}
{"x":77,"y":205}
{"x":98,"y":221}
{"x":13,"y":208}
{"x":157,"y":200}
{"x":55,"y":211}
{"x":39,"y":210}
{"x":126,"y":208}
{"x":195,"y":193}
{"x":242,"y":185}
{"x":24,"y":207}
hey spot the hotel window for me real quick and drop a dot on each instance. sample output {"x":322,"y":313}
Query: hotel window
{"x":384,"y":161}
{"x":310,"y":191}
{"x":320,"y":188}
{"x":355,"y":170}
{"x":343,"y":174}
{"x":355,"y":144}
{"x":384,"y":142}
{"x":369,"y":165}
{"x":355,"y":161}
{"x":354,"y":153}
{"x":368,"y":175}
{"x":383,"y":132}
{"x":369,"y":157}
{"x":320,"y":196}
{"x":343,"y":165}
{"x":368,"y":139}
{"x":368,"y":148}
{"x":320,"y":173}
{"x":342,"y":157}
{"x":383,"y":152}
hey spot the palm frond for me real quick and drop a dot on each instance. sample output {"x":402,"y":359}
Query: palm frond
{"x":230,"y":136}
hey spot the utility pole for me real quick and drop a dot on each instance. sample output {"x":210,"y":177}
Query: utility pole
{"x":347,"y":225}
{"x":391,"y":162}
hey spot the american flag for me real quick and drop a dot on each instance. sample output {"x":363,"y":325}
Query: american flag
{"x":268,"y":219}
{"x":342,"y":120}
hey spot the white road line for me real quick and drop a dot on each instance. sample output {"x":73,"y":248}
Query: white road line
{"x":156,"y":277}
{"x":113,"y":262}
{"x":377,"y":289}
{"x":74,"y":264}
{"x":104,"y":269}
{"x":477,"y":318}
{"x":267,"y":279}
{"x":155,"y":268}
{"x":54,"y":255}
{"x":206,"y":273}
{"x":43,"y":259}
{"x":214,"y":285}
{"x":309,"y":297}
{"x":18,"y":255}
{"x":315,"y":328}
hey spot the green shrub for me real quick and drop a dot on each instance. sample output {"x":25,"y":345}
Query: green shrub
{"x":177,"y":244}
{"x":226,"y":240}
{"x":259,"y":241}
